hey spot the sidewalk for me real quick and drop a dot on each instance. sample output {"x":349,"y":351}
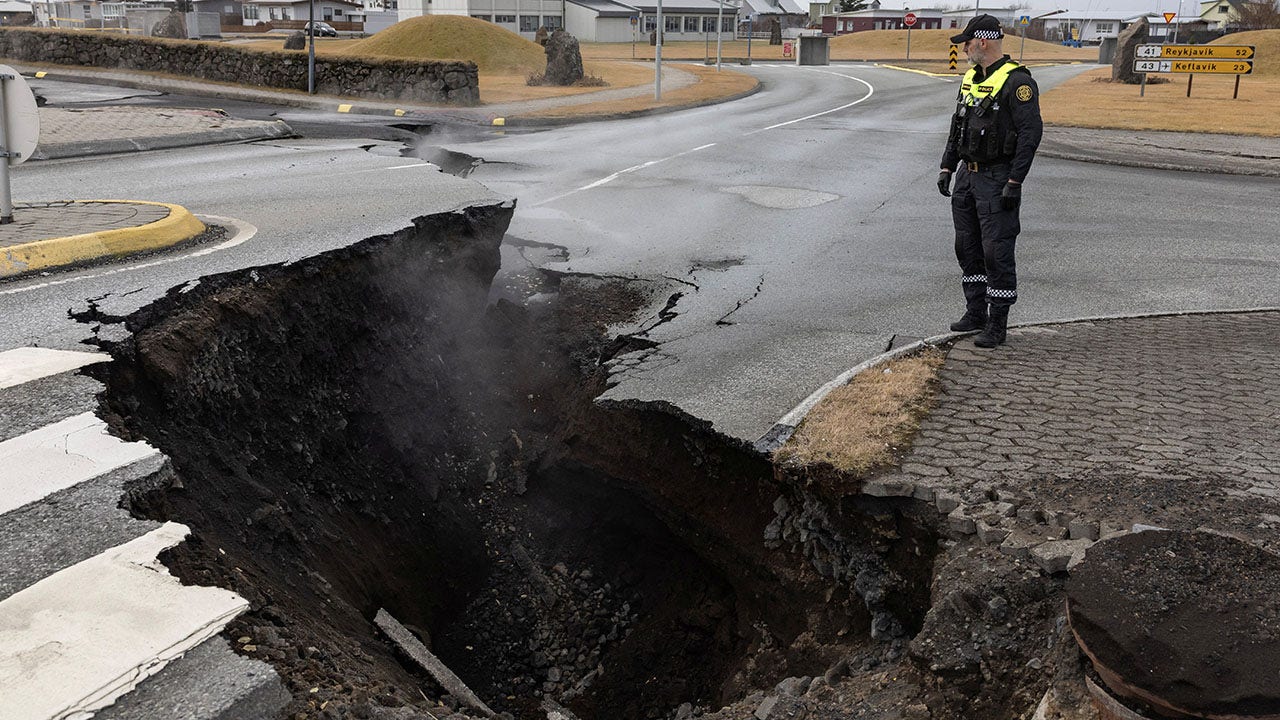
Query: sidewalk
{"x":77,"y":132}
{"x":60,"y":234}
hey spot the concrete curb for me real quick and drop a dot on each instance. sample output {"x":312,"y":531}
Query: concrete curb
{"x":782,"y":430}
{"x":1217,"y":167}
{"x":178,"y":226}
{"x":55,"y":151}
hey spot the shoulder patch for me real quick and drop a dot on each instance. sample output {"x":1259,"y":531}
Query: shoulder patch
{"x":1024,"y":93}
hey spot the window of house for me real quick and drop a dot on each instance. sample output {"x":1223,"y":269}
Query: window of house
{"x":88,"y":11}
{"x":1105,"y":27}
{"x":228,"y":9}
{"x":271,"y":13}
{"x":391,"y":4}
{"x":727,"y":25}
{"x":250,"y":12}
{"x":337,"y":12}
{"x":528,"y":23}
{"x":955,"y":23}
{"x":486,"y":18}
{"x":552,"y":22}
{"x":505,"y":19}
{"x":671,"y":23}
{"x":691,"y":23}
{"x":1223,"y":9}
{"x":708,"y":24}
{"x":650,"y":23}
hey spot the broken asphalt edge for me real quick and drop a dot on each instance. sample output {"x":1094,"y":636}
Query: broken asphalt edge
{"x":786,"y":426}
{"x":178,"y":226}
{"x":525,"y":121}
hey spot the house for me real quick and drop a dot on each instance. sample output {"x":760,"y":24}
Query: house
{"x":15,"y":12}
{"x":91,"y":13}
{"x":255,"y":12}
{"x":761,"y":14}
{"x":602,"y":20}
{"x":880,"y":18}
{"x":1221,"y":14}
{"x":1088,"y":27}
{"x":1161,"y":31}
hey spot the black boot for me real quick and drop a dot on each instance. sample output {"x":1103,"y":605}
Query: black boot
{"x":973,"y":319}
{"x":994,"y":333}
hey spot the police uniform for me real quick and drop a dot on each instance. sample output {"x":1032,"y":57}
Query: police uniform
{"x":995,"y":131}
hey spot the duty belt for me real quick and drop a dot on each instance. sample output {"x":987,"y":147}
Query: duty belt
{"x":975,"y":166}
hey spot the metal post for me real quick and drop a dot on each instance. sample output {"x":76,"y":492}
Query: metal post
{"x":751,"y":30}
{"x":706,"y":48}
{"x":1236,"y":94}
{"x":1189,"y":76}
{"x":719,"y":31}
{"x":1177,"y":19}
{"x":1142,"y":86}
{"x":6,"y":198}
{"x":657,"y":57}
{"x":1024,"y":44}
{"x":908,"y":42}
{"x":311,"y":53}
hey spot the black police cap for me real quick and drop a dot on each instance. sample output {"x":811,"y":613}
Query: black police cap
{"x":983,"y":26}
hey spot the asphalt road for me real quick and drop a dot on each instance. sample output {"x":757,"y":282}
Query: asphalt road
{"x":801,"y":224}
{"x":805,"y":230}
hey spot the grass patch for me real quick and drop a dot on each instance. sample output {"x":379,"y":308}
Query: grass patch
{"x":712,"y":84}
{"x":514,"y":88}
{"x":868,"y":423}
{"x":455,"y":37}
{"x":1091,"y":100}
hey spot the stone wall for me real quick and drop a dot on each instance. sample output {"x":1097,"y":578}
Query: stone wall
{"x":455,"y":83}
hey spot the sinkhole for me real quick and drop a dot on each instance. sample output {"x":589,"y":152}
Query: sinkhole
{"x":366,"y":429}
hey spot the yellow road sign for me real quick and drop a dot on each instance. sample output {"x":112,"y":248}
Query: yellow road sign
{"x":952,"y":56}
{"x":1225,"y":67}
{"x":1197,"y":52}
{"x":1168,"y":17}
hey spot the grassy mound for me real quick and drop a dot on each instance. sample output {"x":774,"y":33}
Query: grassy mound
{"x":932,"y":45}
{"x":1267,"y":56}
{"x":454,"y":37}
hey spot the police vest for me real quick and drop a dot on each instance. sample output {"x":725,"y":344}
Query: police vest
{"x":984,"y":129}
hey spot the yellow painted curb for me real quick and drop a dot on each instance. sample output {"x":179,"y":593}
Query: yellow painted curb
{"x":180,"y":225}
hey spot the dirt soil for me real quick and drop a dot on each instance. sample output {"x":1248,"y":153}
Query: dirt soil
{"x":1182,"y":620}
{"x":447,"y":463}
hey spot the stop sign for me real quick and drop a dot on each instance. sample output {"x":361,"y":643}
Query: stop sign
{"x":909,"y":19}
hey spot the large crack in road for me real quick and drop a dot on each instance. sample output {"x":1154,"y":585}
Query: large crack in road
{"x":373,"y":429}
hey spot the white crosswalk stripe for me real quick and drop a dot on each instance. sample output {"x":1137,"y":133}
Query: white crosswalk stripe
{"x":25,"y":364}
{"x":59,"y":456}
{"x":77,"y":640}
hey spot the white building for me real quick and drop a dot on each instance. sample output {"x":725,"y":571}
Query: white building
{"x":1090,"y":27}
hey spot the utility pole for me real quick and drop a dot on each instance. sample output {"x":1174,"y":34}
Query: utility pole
{"x":311,"y":52}
{"x":719,"y":30}
{"x":657,"y":57}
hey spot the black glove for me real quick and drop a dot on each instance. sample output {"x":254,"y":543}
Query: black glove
{"x":944,"y":183}
{"x":1011,"y":196}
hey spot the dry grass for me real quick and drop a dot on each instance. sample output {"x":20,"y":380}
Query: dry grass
{"x":866,"y":424}
{"x":1267,"y":42}
{"x":1091,"y":100}
{"x":711,"y":85}
{"x":514,"y":87}
{"x":455,"y":37}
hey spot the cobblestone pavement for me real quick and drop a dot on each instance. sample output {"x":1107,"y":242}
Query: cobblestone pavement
{"x":1084,"y":429}
{"x":44,"y":221}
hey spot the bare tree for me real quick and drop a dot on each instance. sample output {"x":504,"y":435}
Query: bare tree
{"x":1258,"y":15}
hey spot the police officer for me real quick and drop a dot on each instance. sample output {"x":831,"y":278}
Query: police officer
{"x":994,"y":134}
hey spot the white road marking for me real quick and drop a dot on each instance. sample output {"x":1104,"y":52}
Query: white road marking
{"x":243,"y":233}
{"x":25,"y":364}
{"x":620,"y":173}
{"x":79,"y":639}
{"x":58,"y":456}
{"x":402,"y":167}
{"x":870,"y":91}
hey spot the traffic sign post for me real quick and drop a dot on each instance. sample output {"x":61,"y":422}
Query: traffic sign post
{"x":1191,"y":59}
{"x":19,"y":132}
{"x":909,"y":20}
{"x":952,"y":56}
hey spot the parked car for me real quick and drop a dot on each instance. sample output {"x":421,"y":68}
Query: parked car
{"x":323,"y":29}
